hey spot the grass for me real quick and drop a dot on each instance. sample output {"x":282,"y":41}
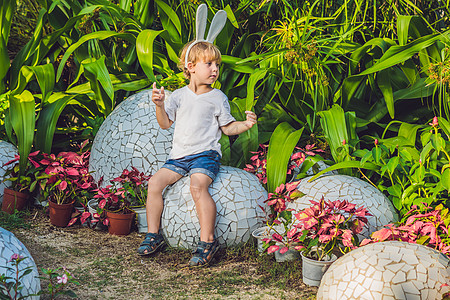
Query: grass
{"x":14,"y":221}
{"x":107,"y":266}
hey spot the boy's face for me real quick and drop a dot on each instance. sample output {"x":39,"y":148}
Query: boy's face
{"x":205,"y":71}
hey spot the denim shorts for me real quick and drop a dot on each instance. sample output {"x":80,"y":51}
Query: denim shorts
{"x":206,"y":162}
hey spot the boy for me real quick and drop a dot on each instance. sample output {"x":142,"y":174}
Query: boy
{"x":201,"y":114}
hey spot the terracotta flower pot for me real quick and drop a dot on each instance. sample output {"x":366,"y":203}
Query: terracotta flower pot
{"x":13,"y":200}
{"x":60,"y":214}
{"x":119,"y":224}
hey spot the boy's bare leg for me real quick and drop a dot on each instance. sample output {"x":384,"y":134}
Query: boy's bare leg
{"x":205,"y":205}
{"x":162,"y":178}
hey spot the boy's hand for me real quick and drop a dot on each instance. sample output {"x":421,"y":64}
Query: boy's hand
{"x":251,"y":119}
{"x":158,"y":95}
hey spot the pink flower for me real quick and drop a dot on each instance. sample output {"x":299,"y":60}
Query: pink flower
{"x":344,"y":142}
{"x":62,"y":279}
{"x":435,"y":122}
{"x":15,"y":256}
{"x":376,"y":141}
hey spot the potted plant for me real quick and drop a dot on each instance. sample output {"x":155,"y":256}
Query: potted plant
{"x":64,"y":177}
{"x":22,"y":183}
{"x":114,"y":210}
{"x":425,"y":225}
{"x":280,"y":222}
{"x":322,"y":231}
{"x":85,"y":189}
{"x":135,"y":185}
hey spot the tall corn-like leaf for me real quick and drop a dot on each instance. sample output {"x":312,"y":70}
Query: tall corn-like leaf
{"x":247,"y":141}
{"x":346,"y":165}
{"x":101,"y":35}
{"x":7,"y":9}
{"x":144,"y":11}
{"x":22,"y":117}
{"x":398,"y":54}
{"x":4,"y":65}
{"x":335,"y":127}
{"x":45,"y":76}
{"x":403,"y":29}
{"x":256,"y":76}
{"x":281,"y":145}
{"x":144,"y":49}
{"x":125,"y":5}
{"x":384,"y":83}
{"x":420,"y":89}
{"x":393,"y":56}
{"x":48,"y":117}
{"x":28,"y":50}
{"x":38,"y":48}
{"x":173,"y":37}
{"x":98,"y":76}
{"x":169,"y":19}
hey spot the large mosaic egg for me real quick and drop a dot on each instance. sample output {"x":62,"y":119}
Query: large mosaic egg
{"x":238,"y":196}
{"x":7,"y":152}
{"x":354,"y":190}
{"x":10,"y":245}
{"x":130,"y":136}
{"x":387,"y":271}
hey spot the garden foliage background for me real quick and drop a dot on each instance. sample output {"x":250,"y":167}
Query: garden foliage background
{"x":360,"y":78}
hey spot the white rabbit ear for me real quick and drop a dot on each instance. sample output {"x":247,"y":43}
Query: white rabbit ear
{"x":200,"y":22}
{"x":217,"y":23}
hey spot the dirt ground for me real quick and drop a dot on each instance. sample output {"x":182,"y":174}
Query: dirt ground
{"x":107,"y":267}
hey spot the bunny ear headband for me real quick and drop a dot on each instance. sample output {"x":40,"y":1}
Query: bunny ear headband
{"x":217,"y":23}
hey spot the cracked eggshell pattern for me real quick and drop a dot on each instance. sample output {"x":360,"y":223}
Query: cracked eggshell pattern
{"x":130,"y":136}
{"x":387,"y":270}
{"x":7,"y":152}
{"x":10,"y":245}
{"x":354,"y":190}
{"x":238,"y":195}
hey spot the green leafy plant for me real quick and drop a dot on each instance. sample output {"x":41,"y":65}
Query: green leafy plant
{"x":58,"y":283}
{"x":10,"y":287}
{"x":410,"y":172}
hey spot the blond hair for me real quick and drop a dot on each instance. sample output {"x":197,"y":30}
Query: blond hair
{"x":200,"y":51}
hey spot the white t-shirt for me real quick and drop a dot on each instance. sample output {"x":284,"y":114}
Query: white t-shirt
{"x":197,"y":120}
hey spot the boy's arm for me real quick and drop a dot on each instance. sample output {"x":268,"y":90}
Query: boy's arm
{"x":238,"y":127}
{"x":158,"y":97}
